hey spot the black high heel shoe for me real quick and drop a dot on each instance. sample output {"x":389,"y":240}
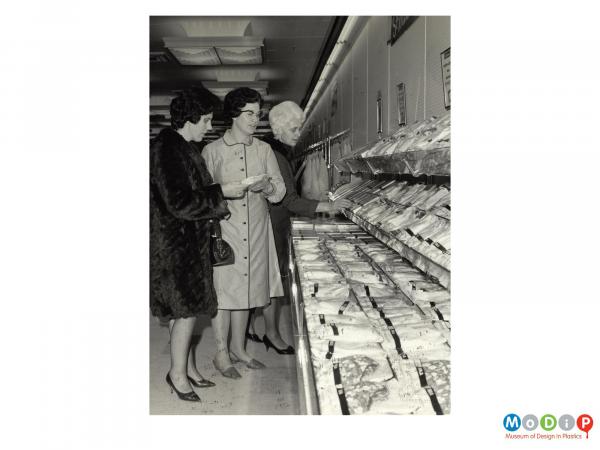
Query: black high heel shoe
{"x":286,"y":351}
{"x":253,"y":337}
{"x":203,"y":383}
{"x":187,"y":396}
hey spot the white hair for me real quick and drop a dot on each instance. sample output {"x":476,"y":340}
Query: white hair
{"x":282,"y":115}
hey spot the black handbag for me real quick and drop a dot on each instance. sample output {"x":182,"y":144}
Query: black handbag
{"x":221,"y":253}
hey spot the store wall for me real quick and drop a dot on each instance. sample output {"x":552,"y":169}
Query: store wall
{"x":373,"y":66}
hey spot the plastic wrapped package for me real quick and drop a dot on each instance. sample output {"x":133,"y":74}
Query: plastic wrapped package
{"x":324,"y":290}
{"x":329,"y":276}
{"x":435,"y":196}
{"x":341,"y":246}
{"x":424,"y":292}
{"x":375,"y":290}
{"x":346,"y":256}
{"x":441,"y":312}
{"x":357,"y":266}
{"x":322,"y":350}
{"x":332,"y":307}
{"x":405,"y":276}
{"x":401,"y":401}
{"x":363,"y":277}
{"x":358,"y":394}
{"x":311,"y":256}
{"x":416,"y":375}
{"x":315,"y":321}
{"x":414,"y":342}
{"x":346,"y":333}
{"x":406,"y":315}
{"x":317,"y":265}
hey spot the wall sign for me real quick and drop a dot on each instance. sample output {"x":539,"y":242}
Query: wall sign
{"x":399,"y":25}
{"x":401,"y":104}
{"x":445,"y":57}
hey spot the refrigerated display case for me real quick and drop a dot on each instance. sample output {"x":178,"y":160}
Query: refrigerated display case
{"x":371,"y":295}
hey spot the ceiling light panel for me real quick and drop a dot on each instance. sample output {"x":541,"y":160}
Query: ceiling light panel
{"x":196,"y":56}
{"x":240,"y":55}
{"x":212,"y":51}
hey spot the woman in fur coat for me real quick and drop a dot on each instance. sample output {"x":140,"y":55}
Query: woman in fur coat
{"x":183,"y":198}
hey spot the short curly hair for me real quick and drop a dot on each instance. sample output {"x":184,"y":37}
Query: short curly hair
{"x":190,"y":105}
{"x":283,"y":115}
{"x":237,"y":99}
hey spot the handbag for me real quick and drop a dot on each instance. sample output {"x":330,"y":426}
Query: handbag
{"x":221,"y":253}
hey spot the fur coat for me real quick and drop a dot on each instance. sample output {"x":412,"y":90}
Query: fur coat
{"x":182,"y":200}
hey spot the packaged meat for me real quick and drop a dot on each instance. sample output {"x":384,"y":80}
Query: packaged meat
{"x":333,"y":307}
{"x":374,"y":290}
{"x":321,"y":350}
{"x":347,"y":333}
{"x":324,"y":290}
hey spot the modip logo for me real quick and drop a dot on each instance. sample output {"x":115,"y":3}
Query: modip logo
{"x":525,"y":427}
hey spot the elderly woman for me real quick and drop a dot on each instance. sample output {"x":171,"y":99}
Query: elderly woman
{"x":254,"y":277}
{"x":286,"y":121}
{"x":183,"y":198}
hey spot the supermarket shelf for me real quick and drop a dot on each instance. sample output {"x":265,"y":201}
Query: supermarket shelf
{"x":416,"y":163}
{"x":441,"y":274}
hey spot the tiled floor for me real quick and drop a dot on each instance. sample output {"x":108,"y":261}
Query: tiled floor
{"x":273,"y":390}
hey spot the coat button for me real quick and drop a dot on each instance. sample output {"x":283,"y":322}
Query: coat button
{"x":243,"y":204}
{"x":243,"y":223}
{"x":245,"y":257}
{"x":241,"y":157}
{"x":245,"y":239}
{"x":242,"y":170}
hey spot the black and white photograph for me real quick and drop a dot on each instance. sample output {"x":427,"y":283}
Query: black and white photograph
{"x":294,"y":272}
{"x":231,"y":224}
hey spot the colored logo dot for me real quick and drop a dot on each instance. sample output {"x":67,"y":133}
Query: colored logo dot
{"x":512,"y":422}
{"x":585,"y":423}
{"x":566,"y":422}
{"x":548,"y":422}
{"x":530,"y":422}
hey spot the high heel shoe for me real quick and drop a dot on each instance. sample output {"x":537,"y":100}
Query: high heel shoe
{"x":203,"y":383}
{"x":229,"y":372}
{"x":286,"y":351}
{"x":187,"y":396}
{"x":253,"y":337}
{"x":252,"y":364}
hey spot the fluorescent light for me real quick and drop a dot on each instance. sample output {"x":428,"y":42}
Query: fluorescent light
{"x":213,"y":51}
{"x":196,"y":56}
{"x":239,"y":55}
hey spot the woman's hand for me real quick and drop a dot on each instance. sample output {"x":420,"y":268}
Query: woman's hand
{"x":340,"y":204}
{"x":235,"y":189}
{"x":260,"y":185}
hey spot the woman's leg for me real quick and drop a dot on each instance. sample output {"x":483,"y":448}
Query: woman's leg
{"x":192,"y":370}
{"x":251,"y":319}
{"x":239,"y":321}
{"x":181,"y":335}
{"x":271,"y":324}
{"x":221,"y":324}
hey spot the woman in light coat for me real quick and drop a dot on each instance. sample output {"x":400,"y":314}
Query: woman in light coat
{"x":254,"y":277}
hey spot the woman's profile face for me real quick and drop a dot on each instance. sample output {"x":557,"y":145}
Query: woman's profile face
{"x":199,"y":129}
{"x":291,"y":132}
{"x":248,"y":119}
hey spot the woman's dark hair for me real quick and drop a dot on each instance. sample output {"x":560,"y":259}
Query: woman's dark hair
{"x":237,"y":99}
{"x":190,"y":105}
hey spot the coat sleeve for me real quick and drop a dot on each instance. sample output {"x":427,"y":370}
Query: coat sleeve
{"x":171,"y":178}
{"x":292,"y":201}
{"x":275,"y":176}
